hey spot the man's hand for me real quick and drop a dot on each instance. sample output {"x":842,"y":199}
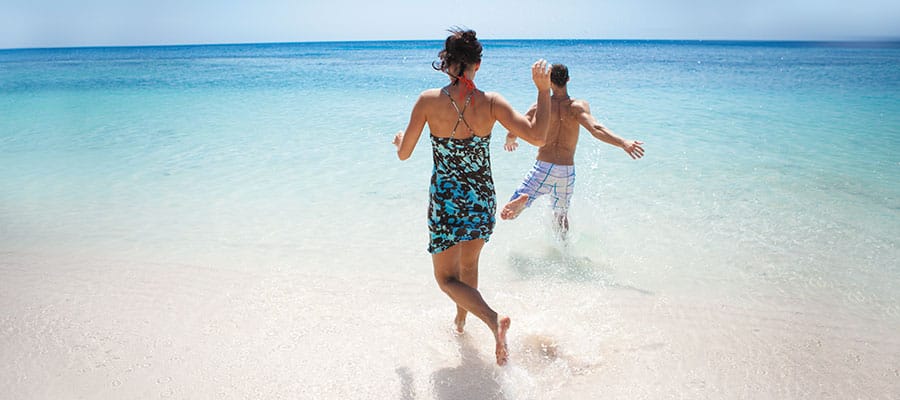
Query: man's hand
{"x":633,"y":148}
{"x":398,"y":138}
{"x":511,"y":144}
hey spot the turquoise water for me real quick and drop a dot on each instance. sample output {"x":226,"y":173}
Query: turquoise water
{"x":771,"y":178}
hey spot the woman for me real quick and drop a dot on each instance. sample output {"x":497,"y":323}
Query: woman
{"x":462,"y":207}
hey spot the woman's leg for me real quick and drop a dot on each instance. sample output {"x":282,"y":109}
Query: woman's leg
{"x":447,"y":272}
{"x":468,"y":274}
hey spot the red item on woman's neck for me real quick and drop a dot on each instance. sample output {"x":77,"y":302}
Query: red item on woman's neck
{"x":468,"y":85}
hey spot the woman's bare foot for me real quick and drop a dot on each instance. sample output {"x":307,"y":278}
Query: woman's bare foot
{"x":512,"y":209}
{"x":502,"y":351}
{"x":460,"y":322}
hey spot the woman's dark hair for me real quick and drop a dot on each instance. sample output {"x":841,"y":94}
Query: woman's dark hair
{"x":461,"y":49}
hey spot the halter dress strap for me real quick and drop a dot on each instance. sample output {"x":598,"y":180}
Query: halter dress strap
{"x":460,"y":116}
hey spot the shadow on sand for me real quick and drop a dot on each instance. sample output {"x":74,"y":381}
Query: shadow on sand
{"x":472,"y":379}
{"x":561,"y":264}
{"x":407,"y":391}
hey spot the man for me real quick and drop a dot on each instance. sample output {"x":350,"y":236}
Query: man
{"x":554,"y":171}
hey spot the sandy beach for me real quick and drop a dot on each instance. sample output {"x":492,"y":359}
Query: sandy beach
{"x":105,"y":328}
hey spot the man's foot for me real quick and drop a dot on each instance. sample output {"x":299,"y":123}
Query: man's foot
{"x":512,"y":209}
{"x":502,"y":351}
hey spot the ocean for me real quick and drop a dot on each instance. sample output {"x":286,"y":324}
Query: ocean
{"x":232,"y":222}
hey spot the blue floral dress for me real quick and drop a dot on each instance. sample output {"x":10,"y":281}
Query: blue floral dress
{"x":463,"y":202}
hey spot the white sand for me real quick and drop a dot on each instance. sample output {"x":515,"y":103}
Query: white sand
{"x":100,"y":328}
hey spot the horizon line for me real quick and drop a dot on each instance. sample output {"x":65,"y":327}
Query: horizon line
{"x":871,"y":41}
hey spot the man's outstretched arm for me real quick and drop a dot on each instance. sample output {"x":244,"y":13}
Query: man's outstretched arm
{"x":632,"y":147}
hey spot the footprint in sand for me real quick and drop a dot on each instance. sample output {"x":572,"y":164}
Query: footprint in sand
{"x":543,"y":350}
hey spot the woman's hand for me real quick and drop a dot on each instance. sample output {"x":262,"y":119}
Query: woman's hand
{"x":540,"y":74}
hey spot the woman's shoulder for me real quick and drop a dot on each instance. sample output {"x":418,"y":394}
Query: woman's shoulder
{"x":430,"y":94}
{"x":494,"y":96}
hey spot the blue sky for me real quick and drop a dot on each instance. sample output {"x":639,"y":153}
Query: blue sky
{"x":44,"y":23}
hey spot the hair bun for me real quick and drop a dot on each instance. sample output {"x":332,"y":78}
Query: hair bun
{"x":461,"y":48}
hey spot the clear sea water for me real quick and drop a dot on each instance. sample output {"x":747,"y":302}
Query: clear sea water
{"x":231,"y":221}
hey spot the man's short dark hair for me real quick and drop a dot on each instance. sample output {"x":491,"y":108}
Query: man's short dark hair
{"x":559,"y":75}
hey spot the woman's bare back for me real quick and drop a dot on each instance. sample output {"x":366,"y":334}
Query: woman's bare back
{"x":443,"y":116}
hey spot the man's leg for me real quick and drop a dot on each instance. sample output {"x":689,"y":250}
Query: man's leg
{"x":562,"y":223}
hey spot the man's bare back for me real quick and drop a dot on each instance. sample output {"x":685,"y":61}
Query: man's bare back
{"x":562,"y":136}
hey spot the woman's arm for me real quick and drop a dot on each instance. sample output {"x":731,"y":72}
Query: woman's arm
{"x":406,"y":140}
{"x":533,"y":130}
{"x":511,"y":144}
